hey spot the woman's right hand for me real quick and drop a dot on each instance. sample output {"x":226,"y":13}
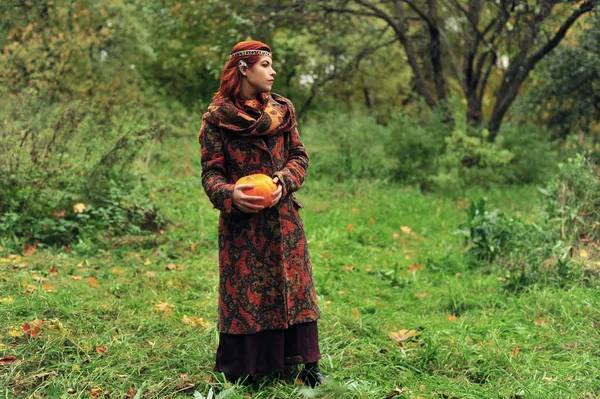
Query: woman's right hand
{"x":245,"y":202}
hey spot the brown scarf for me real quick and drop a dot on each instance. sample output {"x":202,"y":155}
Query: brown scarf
{"x":267,"y":115}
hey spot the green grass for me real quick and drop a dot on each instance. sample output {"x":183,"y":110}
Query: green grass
{"x":373,"y":277}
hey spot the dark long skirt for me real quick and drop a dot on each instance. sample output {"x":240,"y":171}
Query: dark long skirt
{"x":267,"y":351}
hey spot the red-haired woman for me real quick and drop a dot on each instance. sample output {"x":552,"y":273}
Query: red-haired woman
{"x":267,"y":307}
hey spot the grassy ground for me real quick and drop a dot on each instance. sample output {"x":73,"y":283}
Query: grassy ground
{"x":138,"y":319}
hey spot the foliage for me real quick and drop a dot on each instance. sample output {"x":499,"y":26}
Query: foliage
{"x":61,"y":155}
{"x":534,"y":156}
{"x":572,"y":201}
{"x":342,"y":147}
{"x":470,"y":161}
{"x":564,"y":98}
{"x":524,"y":254}
{"x":415,"y":146}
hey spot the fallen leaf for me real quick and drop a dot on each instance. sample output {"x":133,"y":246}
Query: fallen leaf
{"x":9,"y":359}
{"x":341,"y":292}
{"x":164,"y":307}
{"x":395,"y":235}
{"x":15,"y":333}
{"x":101,"y":349}
{"x":414,"y":267}
{"x":405,"y":229}
{"x":117,"y":270}
{"x":171,"y":266}
{"x":53,"y":270}
{"x":93,"y":282}
{"x":348,"y":267}
{"x":326,"y":256}
{"x":371,"y":221}
{"x":33,"y":329}
{"x":540,"y":322}
{"x":422,"y":294}
{"x":395,"y":392}
{"x":184,"y":384}
{"x":350,"y":227}
{"x":355,"y":312}
{"x":451,"y":317}
{"x":150,"y":274}
{"x":193,"y":246}
{"x":76,"y":278}
{"x":79,"y":208}
{"x":515,"y":353}
{"x":29,"y":249}
{"x":403,"y":335}
{"x":459,"y":275}
{"x":96,"y":392}
{"x":421,"y":387}
{"x":47,"y":287}
{"x":8,"y":299}
{"x":583,"y":253}
{"x":355,"y":210}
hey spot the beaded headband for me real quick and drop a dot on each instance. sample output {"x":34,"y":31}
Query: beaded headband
{"x":249,"y":52}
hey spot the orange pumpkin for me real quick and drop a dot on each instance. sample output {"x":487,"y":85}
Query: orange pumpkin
{"x":263,"y":187}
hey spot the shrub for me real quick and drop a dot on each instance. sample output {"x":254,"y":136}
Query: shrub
{"x":61,"y":155}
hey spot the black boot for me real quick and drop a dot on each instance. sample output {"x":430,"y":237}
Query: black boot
{"x":289,"y":374}
{"x":311,"y":375}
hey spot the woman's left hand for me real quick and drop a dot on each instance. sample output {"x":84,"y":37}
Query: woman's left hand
{"x":277,"y":194}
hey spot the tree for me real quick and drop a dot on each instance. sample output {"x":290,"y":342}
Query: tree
{"x":474,"y":39}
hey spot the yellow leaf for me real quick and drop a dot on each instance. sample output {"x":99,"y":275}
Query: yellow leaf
{"x":15,"y":333}
{"x":583,"y":253}
{"x":150,"y":274}
{"x":76,"y":277}
{"x":350,"y":227}
{"x":79,"y":208}
{"x":451,"y":317}
{"x":47,"y":287}
{"x":371,"y":220}
{"x":186,"y":320}
{"x":395,"y":235}
{"x":93,"y":282}
{"x":348,"y":267}
{"x":164,"y":307}
{"x":414,"y":267}
{"x":117,"y":270}
{"x":515,"y":353}
{"x":403,"y":335}
{"x":405,"y":229}
{"x":8,"y":299}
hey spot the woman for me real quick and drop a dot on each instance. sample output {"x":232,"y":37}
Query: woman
{"x":267,"y":307}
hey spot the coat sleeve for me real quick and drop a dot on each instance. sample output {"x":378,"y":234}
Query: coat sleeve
{"x":292,"y":175}
{"x":214,"y":170}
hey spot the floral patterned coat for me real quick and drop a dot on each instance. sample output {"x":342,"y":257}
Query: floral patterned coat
{"x":265,"y":269}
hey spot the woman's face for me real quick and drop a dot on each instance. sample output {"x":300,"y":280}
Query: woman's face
{"x":261,"y":75}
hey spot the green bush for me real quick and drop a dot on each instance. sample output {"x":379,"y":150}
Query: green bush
{"x":572,"y":201}
{"x":344,"y":147}
{"x":60,"y":155}
{"x":415,"y":147}
{"x":523,"y":254}
{"x":534,"y":157}
{"x":470,"y":161}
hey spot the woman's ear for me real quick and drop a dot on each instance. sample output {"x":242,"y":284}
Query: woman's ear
{"x":242,"y":66}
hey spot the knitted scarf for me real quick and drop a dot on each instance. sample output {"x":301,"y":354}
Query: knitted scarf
{"x":268,"y":114}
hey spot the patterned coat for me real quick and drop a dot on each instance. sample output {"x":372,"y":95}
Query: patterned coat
{"x":265,"y":269}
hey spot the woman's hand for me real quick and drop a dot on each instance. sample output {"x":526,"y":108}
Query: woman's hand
{"x":277,"y":194}
{"x":244,"y":202}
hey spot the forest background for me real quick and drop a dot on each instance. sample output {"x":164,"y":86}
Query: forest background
{"x":463,"y":104}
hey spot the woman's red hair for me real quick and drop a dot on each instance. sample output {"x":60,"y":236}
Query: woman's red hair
{"x":231,"y":77}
